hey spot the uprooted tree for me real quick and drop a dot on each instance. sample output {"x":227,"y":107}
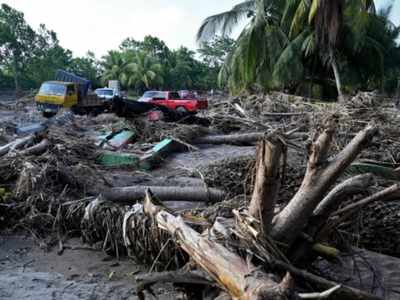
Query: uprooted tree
{"x":282,"y":242}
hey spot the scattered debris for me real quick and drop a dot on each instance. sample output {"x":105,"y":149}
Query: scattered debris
{"x":324,"y":181}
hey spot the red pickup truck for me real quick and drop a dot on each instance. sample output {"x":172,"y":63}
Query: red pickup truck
{"x":172,"y":100}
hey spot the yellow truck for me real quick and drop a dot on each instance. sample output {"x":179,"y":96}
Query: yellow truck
{"x":67,"y":91}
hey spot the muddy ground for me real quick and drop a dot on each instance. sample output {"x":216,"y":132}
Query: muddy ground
{"x":28,"y":271}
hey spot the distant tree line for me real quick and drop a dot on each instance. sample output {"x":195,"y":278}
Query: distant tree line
{"x":28,"y":57}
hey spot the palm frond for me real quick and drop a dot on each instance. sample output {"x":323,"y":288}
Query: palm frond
{"x":226,"y":21}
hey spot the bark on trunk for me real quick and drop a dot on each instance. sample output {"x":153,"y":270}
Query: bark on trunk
{"x":17,"y":144}
{"x":231,"y":272}
{"x":268,"y":181}
{"x":337,"y":78}
{"x":244,"y":138}
{"x":16,"y":76}
{"x":319,"y":177}
{"x":129,"y":195}
{"x":382,"y":195}
{"x":36,"y":149}
{"x":349,"y":187}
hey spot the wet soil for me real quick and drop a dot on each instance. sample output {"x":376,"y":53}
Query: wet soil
{"x":29,"y":272}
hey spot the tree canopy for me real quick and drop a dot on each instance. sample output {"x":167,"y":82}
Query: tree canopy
{"x":299,"y":44}
{"x":28,"y":57}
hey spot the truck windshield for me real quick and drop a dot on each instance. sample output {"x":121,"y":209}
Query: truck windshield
{"x":150,"y":94}
{"x":104,"y":92}
{"x":52,"y":89}
{"x":174,"y":95}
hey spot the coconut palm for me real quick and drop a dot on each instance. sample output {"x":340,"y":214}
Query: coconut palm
{"x":141,"y":71}
{"x":113,"y":65}
{"x":251,"y":63}
{"x":320,"y":27}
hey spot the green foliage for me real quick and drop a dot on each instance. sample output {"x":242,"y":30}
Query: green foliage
{"x":29,"y":57}
{"x":215,"y":51}
{"x":16,"y":41}
{"x":290,"y":43}
{"x":150,"y":64}
{"x":87,"y":67}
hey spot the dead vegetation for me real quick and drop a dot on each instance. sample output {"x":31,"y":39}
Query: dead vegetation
{"x":323,"y":180}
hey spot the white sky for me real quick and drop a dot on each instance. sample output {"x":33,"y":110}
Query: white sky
{"x":101,"y":25}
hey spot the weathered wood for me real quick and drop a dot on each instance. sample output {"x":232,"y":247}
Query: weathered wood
{"x":233,"y":274}
{"x":349,"y":187}
{"x":17,"y":144}
{"x":319,"y":177}
{"x":379,"y":196}
{"x":36,"y":149}
{"x":130,"y":194}
{"x":243,"y":138}
{"x":268,"y":181}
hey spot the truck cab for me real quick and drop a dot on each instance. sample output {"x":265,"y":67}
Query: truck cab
{"x":54,"y":95}
{"x":173,"y":100}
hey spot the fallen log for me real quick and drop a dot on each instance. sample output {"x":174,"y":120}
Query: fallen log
{"x":238,"y":277}
{"x":36,"y":149}
{"x":240,"y":139}
{"x":129,"y":195}
{"x":17,"y":144}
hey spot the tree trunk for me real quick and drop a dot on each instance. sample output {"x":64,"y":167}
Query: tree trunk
{"x":17,"y":144}
{"x":242,"y":138}
{"x":268,"y":181}
{"x":16,"y":76}
{"x":36,"y":149}
{"x":319,"y":177}
{"x":129,"y":195}
{"x":347,"y":188}
{"x":337,"y":78}
{"x":238,"y":277}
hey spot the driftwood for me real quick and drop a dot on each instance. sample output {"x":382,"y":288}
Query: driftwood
{"x":382,"y":195}
{"x":320,"y":175}
{"x":238,"y":277}
{"x":243,"y":138}
{"x":130,"y":194}
{"x":36,"y":149}
{"x":351,"y":186}
{"x":17,"y":144}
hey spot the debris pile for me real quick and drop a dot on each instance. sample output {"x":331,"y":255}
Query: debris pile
{"x":323,"y":180}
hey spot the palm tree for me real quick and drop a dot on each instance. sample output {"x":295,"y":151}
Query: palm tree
{"x":259,"y":45}
{"x":141,"y":71}
{"x":114,"y":65}
{"x":320,"y":25}
{"x":288,"y":43}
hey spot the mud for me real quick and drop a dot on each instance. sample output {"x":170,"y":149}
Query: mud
{"x":29,"y":272}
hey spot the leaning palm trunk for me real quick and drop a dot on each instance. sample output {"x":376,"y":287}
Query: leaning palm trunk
{"x":337,"y":78}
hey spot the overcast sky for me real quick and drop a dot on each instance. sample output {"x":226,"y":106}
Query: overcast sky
{"x":101,"y":25}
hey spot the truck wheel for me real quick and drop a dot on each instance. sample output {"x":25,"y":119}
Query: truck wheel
{"x":181,"y":110}
{"x":48,"y":114}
